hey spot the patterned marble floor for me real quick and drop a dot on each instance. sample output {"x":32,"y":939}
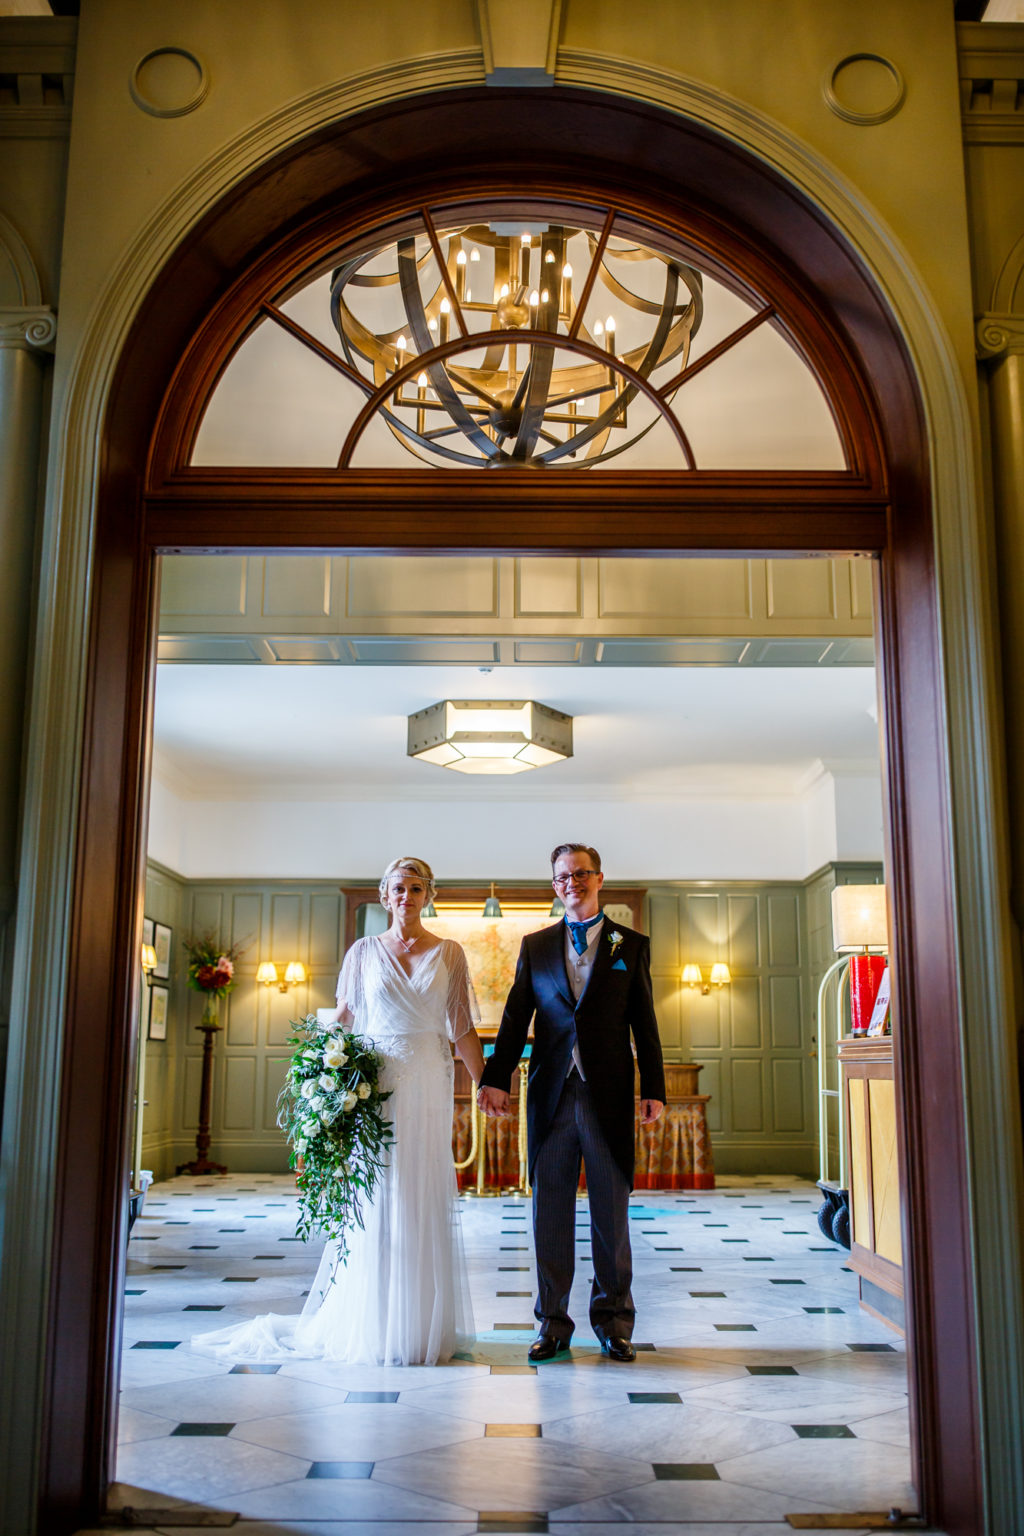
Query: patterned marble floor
{"x":760,"y":1387}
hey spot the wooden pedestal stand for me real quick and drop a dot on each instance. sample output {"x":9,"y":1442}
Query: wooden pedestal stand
{"x":201,"y":1163}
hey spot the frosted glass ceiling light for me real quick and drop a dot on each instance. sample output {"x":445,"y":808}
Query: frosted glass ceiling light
{"x":490,"y":735}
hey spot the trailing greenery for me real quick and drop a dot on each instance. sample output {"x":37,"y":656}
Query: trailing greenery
{"x":330,"y":1111}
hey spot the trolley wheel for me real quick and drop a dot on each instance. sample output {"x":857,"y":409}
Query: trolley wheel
{"x":826,"y":1215}
{"x":841,"y":1226}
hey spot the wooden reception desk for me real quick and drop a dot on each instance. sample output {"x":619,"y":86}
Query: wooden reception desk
{"x":876,"y":1243}
{"x":673,"y":1153}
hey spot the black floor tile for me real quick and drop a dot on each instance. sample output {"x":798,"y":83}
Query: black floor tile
{"x":340,"y":1469}
{"x":135,"y":1293}
{"x":513,"y":1293}
{"x":239,"y":1279}
{"x":254,"y":1370}
{"x":754,"y":1258}
{"x":685,"y":1471}
{"x":203,"y":1429}
{"x":522,"y":1521}
{"x":668,"y":1250}
{"x":787,"y":1282}
{"x":823,"y":1431}
{"x":156,"y":1344}
{"x":707,"y":1293}
{"x":735,"y":1328}
{"x":515,"y":1327}
{"x":372,"y":1397}
{"x":654,"y":1397}
{"x":203,"y":1247}
{"x":824,"y":1309}
{"x":259,"y":1258}
{"x":771,"y":1370}
{"x":169,"y":1266}
{"x":685,"y":1269}
{"x":513,"y":1269}
{"x":195,"y":1307}
{"x":873,"y":1349}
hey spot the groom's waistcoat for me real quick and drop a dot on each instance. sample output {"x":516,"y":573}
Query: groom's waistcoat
{"x":615,"y":1005}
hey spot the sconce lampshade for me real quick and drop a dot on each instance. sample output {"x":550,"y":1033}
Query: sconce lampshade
{"x":147,"y":959}
{"x":692,"y":976}
{"x":266,"y":972}
{"x":295,"y":973}
{"x":860,"y":918}
{"x":720,"y":974}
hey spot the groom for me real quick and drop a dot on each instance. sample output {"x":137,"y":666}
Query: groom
{"x":586,"y":983}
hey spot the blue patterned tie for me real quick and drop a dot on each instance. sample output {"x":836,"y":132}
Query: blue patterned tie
{"x":578,"y":933}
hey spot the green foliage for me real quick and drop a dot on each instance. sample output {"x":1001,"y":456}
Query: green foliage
{"x":330,"y":1111}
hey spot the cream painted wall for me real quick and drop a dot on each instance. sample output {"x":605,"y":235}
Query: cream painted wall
{"x":780,"y":838}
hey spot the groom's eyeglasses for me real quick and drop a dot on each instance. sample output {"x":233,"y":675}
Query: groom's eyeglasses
{"x":578,"y":877}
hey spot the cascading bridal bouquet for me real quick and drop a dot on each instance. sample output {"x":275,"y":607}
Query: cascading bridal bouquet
{"x":330,"y":1111}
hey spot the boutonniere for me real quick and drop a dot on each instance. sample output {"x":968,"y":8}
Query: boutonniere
{"x":614,"y":939}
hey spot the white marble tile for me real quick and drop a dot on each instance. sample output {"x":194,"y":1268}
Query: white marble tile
{"x":695,"y":1500}
{"x":357,"y":1432}
{"x":887,"y":1428}
{"x":203,"y":1469}
{"x":358,"y":1501}
{"x":521,"y":1399}
{"x":134,"y":1425}
{"x":381,"y":1378}
{"x":668,"y":1432}
{"x":795,"y":1400}
{"x":514,"y":1474}
{"x":843,"y":1474}
{"x":232,"y":1399}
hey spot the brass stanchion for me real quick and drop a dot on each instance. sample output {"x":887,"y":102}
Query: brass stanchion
{"x":524,"y":1162}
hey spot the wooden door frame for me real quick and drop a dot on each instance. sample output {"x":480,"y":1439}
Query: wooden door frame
{"x":679,"y":174}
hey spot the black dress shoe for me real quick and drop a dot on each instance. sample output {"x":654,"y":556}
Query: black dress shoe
{"x":546,"y":1348}
{"x":618,"y":1349}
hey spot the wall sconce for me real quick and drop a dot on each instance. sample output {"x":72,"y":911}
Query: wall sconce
{"x":694,"y":977}
{"x":147,"y":959}
{"x":294,"y":974}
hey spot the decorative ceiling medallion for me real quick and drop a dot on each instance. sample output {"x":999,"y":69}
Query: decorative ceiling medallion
{"x":517,"y":343}
{"x":865,"y":88}
{"x":168,"y":82}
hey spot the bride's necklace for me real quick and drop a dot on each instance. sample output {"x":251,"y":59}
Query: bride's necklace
{"x":407,"y":944}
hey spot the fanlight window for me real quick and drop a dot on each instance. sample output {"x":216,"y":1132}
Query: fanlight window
{"x":518,"y":344}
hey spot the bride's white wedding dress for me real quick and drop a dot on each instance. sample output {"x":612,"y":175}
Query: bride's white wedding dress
{"x":402,"y":1297}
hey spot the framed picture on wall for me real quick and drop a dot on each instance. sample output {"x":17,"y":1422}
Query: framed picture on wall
{"x":162,"y":945}
{"x":158,"y":1013}
{"x":147,"y":930}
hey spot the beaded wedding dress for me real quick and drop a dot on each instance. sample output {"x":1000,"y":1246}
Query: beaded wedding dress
{"x":402,"y":1296}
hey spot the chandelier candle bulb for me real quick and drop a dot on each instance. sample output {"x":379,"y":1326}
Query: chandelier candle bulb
{"x":460,"y":275}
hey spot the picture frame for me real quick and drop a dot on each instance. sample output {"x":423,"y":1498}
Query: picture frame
{"x":162,"y":945}
{"x":879,"y":1021}
{"x":158,"y":1000}
{"x":147,"y":930}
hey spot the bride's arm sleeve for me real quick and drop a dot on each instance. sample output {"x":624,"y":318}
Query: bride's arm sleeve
{"x":463,"y":1011}
{"x":350,"y":984}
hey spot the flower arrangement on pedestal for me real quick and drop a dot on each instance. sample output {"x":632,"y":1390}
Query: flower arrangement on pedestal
{"x":211,"y":970}
{"x":330,"y":1110}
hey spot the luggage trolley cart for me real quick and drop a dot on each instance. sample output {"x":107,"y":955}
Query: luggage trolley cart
{"x":834,"y":1213}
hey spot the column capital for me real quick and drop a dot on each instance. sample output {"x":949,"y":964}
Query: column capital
{"x":28,"y":327}
{"x":997,"y":335}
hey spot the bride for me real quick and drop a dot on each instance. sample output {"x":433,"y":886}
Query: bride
{"x":402,"y":1296}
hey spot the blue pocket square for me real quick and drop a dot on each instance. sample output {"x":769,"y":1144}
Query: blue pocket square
{"x":620,"y":965}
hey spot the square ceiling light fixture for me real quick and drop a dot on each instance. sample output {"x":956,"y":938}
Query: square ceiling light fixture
{"x":490,"y":735}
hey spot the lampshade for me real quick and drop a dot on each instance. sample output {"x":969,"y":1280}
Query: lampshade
{"x":147,"y":958}
{"x":860,"y":918}
{"x":295,"y":972}
{"x":266,"y":972}
{"x":720,"y":974}
{"x":692,"y":976}
{"x":489,"y":735}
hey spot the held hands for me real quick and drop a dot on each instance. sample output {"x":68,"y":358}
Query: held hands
{"x":493,"y":1102}
{"x":650,"y":1109}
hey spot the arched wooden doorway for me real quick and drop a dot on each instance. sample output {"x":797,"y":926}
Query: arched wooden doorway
{"x":695,"y":189}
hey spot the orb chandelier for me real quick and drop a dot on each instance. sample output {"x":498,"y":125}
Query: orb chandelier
{"x":517,"y":344}
{"x":489,"y":735}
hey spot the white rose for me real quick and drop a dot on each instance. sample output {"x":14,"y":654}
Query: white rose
{"x":349,"y":1102}
{"x":327,"y":1117}
{"x":308,"y":1089}
{"x":334,"y":1055}
{"x":327,"y":1082}
{"x":311,"y":1055}
{"x":300,"y":1147}
{"x":341,"y":1170}
{"x":317,"y":1104}
{"x":364,"y":1090}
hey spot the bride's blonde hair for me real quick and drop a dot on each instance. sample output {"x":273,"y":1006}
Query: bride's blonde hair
{"x":418,"y":867}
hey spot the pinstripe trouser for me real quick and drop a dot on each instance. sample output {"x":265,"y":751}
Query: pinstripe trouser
{"x":574,"y":1135}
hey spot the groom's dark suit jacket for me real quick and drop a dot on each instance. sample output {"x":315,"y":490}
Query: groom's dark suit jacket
{"x":615,"y":1003}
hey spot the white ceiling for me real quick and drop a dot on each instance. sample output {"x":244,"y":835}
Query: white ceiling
{"x":340,"y":732}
